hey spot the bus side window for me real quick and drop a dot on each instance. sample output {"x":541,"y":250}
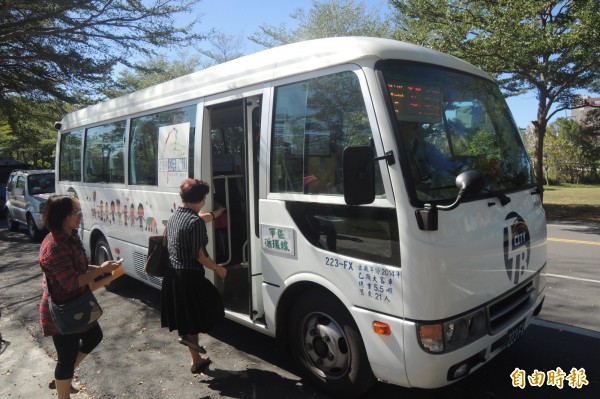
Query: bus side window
{"x":314,"y":121}
{"x":144,"y":146}
{"x":70,"y":156}
{"x":103,"y":156}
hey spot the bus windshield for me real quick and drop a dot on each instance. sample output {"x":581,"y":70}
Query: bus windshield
{"x":447,"y":123}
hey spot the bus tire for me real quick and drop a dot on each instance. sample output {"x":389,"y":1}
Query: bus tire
{"x":102,"y":253}
{"x":327,"y":346}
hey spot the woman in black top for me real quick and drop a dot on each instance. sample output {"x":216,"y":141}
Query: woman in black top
{"x":190,"y":303}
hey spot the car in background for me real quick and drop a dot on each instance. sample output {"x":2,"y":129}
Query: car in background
{"x":27,"y":191}
{"x":7,"y":166}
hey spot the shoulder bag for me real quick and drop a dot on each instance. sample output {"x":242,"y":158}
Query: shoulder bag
{"x":75,"y":315}
{"x":158,"y":256}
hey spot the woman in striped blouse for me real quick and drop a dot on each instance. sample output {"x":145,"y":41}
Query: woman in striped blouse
{"x":190,"y":303}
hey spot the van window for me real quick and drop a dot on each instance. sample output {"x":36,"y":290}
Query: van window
{"x":21,"y":183}
{"x":315,"y":120}
{"x":11,"y":183}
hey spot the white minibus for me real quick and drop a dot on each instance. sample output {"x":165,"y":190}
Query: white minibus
{"x":381,"y":214}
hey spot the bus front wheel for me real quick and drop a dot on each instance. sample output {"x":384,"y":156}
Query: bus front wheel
{"x":327,"y":345}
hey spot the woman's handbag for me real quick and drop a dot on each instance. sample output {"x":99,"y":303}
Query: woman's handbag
{"x":74,"y":316}
{"x":158,"y":256}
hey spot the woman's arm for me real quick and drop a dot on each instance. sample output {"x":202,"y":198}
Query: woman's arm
{"x":210,"y":216}
{"x":210,"y":264}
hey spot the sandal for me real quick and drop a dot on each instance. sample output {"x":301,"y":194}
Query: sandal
{"x":52,"y":385}
{"x":200,"y":366}
{"x":3,"y":345}
{"x":194,"y":346}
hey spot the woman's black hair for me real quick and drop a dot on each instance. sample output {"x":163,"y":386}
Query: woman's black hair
{"x":56,"y":211}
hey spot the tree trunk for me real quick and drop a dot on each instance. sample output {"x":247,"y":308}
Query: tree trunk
{"x":539,"y":133}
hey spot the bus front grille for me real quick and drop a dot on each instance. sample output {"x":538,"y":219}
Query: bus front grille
{"x":508,"y":308}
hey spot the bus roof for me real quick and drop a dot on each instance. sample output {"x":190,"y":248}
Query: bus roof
{"x":260,"y":67}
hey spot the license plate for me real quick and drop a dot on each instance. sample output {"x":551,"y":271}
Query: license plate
{"x":515,"y":333}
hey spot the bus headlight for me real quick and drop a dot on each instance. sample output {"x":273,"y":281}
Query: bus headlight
{"x":452,"y":334}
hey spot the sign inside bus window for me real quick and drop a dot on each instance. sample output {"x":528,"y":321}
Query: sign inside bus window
{"x":416,"y":103}
{"x":278,"y":239}
{"x":374,"y":282}
{"x":173,"y":150}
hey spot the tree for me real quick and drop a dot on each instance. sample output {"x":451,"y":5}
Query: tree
{"x":32,"y":137}
{"x":573,"y":151}
{"x":563,"y":150}
{"x":66,"y":50}
{"x":591,"y":134}
{"x":326,"y":18}
{"x":548,"y":47}
{"x":55,"y":48}
{"x":223,"y":48}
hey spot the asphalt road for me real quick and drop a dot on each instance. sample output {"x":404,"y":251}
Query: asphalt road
{"x":137,"y":359}
{"x":573,"y":275}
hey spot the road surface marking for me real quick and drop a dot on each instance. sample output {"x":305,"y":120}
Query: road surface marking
{"x":574,"y":241}
{"x":572,"y":278}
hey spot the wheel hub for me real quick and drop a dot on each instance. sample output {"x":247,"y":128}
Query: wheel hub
{"x":326,"y":346}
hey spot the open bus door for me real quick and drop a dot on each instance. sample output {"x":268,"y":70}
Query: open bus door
{"x":234,"y":128}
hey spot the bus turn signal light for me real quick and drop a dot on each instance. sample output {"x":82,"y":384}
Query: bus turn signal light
{"x":381,"y":328}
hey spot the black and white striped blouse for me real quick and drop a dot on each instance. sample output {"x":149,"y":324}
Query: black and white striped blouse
{"x":186,"y":236}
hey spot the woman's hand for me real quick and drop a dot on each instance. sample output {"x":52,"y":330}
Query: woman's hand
{"x":94,"y":272}
{"x":221,"y":271}
{"x":109,"y":266}
{"x":218,"y":212}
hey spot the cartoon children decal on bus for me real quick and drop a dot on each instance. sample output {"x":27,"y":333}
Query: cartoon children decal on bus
{"x":140,"y":216}
{"x":132,"y":215}
{"x":112,"y":212}
{"x":119,"y":214}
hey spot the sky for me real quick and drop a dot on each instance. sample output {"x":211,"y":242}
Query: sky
{"x":239,"y":17}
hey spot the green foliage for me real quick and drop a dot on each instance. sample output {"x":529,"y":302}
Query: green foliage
{"x":56,"y":48}
{"x":326,"y":18}
{"x":62,"y":50}
{"x":546,"y":46}
{"x":28,"y":133}
{"x":572,"y":153}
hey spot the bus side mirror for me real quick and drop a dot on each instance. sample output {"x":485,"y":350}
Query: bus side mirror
{"x":468,"y":182}
{"x":359,"y":175}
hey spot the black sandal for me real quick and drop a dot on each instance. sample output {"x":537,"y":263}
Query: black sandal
{"x":200,"y":366}
{"x":52,"y":385}
{"x":194,"y":346}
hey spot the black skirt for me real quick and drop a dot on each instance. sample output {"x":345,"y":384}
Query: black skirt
{"x":190,"y":303}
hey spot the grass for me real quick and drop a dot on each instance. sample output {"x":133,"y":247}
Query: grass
{"x":571,"y":202}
